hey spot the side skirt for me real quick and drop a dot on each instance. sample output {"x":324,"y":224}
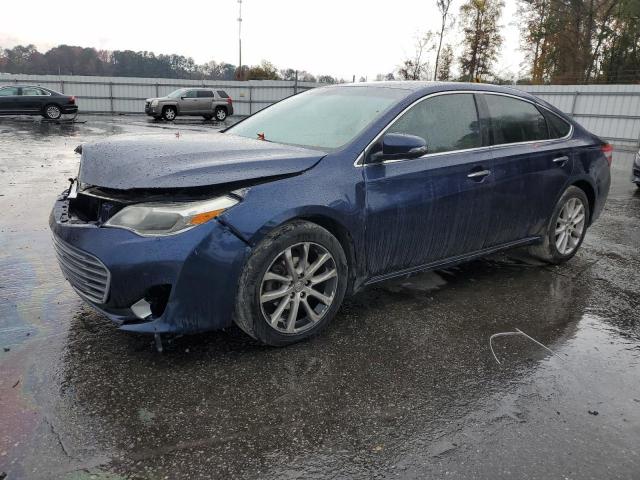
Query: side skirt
{"x":447,"y":262}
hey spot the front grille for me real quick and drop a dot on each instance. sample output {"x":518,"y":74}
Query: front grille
{"x":85,"y":273}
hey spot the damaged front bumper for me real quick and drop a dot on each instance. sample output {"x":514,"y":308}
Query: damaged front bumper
{"x":183,"y":283}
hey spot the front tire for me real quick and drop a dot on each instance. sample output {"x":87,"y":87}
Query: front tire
{"x":566,"y":228}
{"x":169,"y":113}
{"x":292,"y":284}
{"x":52,"y":112}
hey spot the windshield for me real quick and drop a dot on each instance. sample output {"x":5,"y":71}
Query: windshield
{"x":176,"y":93}
{"x":326,"y":118}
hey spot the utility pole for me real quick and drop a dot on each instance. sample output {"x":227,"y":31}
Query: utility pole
{"x":240,"y":39}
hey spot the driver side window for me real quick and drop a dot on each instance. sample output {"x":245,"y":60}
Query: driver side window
{"x":446,"y":122}
{"x":190,"y":94}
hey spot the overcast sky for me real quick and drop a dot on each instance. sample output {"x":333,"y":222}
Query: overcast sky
{"x":336,"y":37}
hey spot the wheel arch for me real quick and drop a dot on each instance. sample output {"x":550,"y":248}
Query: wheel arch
{"x":590,"y":192}
{"x":220,"y":107}
{"x":174,"y":105}
{"x":343,"y":235}
{"x":48,"y":104}
{"x":322,"y":216}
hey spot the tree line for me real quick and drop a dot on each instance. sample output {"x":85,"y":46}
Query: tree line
{"x":564,"y":42}
{"x":73,"y":60}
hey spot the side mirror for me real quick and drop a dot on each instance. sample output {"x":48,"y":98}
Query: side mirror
{"x":399,"y":146}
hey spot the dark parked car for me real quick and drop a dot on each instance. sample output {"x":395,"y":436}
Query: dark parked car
{"x":34,"y":100}
{"x":270,"y":223}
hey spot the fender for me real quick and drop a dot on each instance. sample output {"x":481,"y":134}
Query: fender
{"x":327,"y":218}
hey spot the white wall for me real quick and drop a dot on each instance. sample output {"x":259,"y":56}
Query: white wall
{"x":610,"y":111}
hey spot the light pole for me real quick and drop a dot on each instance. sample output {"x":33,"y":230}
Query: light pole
{"x":240,"y":39}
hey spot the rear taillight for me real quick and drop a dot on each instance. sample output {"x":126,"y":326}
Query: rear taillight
{"x":72,"y":100}
{"x":229,"y":101}
{"x":607,"y":149}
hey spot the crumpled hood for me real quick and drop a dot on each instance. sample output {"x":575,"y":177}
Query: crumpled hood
{"x":172,"y":160}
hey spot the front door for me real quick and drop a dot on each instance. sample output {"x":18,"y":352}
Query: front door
{"x":425,"y":210}
{"x":189,"y":102}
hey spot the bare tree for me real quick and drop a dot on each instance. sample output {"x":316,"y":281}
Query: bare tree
{"x":417,"y":68}
{"x":443,"y":7}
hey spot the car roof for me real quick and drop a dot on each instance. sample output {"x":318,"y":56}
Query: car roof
{"x":20,"y":85}
{"x":195,"y":87}
{"x":23,"y":86}
{"x":424,"y":87}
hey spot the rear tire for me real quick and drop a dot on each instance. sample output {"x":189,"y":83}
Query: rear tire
{"x":52,"y":112}
{"x":281,"y":299}
{"x":566,"y":228}
{"x":220,"y":114}
{"x":169,"y":113}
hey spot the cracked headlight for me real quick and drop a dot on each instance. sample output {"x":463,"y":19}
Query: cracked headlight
{"x":154,"y":219}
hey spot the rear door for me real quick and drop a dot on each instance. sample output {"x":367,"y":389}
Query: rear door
{"x":532,"y":163}
{"x":32,"y":99}
{"x":420,"y":211}
{"x":9,"y":99}
{"x":205,"y":101}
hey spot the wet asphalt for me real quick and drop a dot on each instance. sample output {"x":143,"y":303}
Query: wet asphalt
{"x":403,"y":384}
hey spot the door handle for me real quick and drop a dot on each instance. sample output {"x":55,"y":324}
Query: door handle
{"x":561,"y":160}
{"x":479,"y":174}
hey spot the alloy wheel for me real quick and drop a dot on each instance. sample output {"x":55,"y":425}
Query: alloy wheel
{"x":221,"y":114}
{"x":53,"y":112}
{"x":298,"y":288}
{"x":570,"y":226}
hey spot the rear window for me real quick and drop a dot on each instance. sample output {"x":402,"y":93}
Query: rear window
{"x":205,"y":93}
{"x":558,"y":127}
{"x":223,"y":94}
{"x":515,"y":120}
{"x":32,"y":91}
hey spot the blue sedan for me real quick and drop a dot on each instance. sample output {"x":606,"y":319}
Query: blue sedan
{"x":270,"y":223}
